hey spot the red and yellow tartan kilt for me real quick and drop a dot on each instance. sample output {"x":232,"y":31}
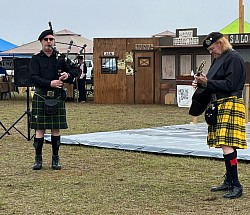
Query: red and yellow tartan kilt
{"x":41,"y":120}
{"x":230,"y":129}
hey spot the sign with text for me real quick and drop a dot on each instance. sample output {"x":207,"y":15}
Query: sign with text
{"x":7,"y":64}
{"x":143,"y":46}
{"x":239,"y":38}
{"x":184,"y":95}
{"x":108,"y":53}
{"x":186,"y":37}
{"x":186,"y":41}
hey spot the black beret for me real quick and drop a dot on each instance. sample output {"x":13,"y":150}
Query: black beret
{"x":45,"y":33}
{"x":211,"y":38}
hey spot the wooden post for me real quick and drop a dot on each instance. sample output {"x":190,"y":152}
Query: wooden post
{"x":241,"y":17}
{"x":247,"y":101}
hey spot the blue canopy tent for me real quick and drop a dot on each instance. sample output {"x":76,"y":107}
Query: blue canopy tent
{"x":5,"y":45}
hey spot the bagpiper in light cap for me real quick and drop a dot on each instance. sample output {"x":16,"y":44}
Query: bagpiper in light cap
{"x":211,"y":38}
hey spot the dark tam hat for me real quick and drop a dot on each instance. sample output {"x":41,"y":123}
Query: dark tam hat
{"x":45,"y":33}
{"x":211,"y":38}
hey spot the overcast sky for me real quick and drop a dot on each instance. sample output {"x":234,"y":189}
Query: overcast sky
{"x":23,"y":20}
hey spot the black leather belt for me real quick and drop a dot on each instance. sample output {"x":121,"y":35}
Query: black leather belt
{"x":48,"y":92}
{"x":225,"y":95}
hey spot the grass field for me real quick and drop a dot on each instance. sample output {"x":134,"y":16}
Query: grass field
{"x":96,"y":181}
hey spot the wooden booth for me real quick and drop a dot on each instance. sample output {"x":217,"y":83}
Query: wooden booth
{"x":126,"y":71}
{"x":148,"y":70}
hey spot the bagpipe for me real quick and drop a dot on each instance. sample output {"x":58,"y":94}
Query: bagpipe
{"x":63,"y":58}
{"x":201,"y":96}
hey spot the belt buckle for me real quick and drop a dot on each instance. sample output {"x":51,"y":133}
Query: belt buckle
{"x":50,"y":93}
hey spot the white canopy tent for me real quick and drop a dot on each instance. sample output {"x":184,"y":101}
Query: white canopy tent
{"x":62,"y":38}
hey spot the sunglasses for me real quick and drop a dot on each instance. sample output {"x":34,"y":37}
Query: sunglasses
{"x":48,"y":39}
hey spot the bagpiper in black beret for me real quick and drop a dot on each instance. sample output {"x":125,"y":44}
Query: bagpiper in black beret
{"x":211,"y":38}
{"x":45,"y":33}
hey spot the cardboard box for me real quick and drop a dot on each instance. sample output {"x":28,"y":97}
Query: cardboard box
{"x":170,"y":98}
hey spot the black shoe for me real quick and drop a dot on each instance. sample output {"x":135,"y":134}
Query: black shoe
{"x":234,"y":192}
{"x":38,"y":162}
{"x":224,"y":187}
{"x":56,"y":162}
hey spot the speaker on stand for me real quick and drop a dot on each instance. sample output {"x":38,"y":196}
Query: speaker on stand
{"x":21,"y":72}
{"x":22,"y":79}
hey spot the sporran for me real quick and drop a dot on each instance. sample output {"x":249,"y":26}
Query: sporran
{"x":51,"y":106}
{"x":211,"y":114}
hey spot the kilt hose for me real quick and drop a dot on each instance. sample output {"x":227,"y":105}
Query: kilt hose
{"x":40,"y":120}
{"x":230,"y":129}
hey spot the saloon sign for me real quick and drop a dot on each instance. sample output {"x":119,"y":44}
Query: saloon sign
{"x":239,"y":38}
{"x":186,"y":37}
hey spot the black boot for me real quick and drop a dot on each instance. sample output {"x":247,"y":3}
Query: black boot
{"x":224,"y":187}
{"x":38,"y":162}
{"x":227,"y":181}
{"x":38,"y":144}
{"x":234,"y":192}
{"x":236,"y":189}
{"x":56,"y":162}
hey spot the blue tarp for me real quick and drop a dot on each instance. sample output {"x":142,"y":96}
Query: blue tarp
{"x":5,"y":45}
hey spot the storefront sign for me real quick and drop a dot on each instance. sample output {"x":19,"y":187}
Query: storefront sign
{"x":143,"y":46}
{"x":239,"y":38}
{"x":186,"y":37}
{"x":108,"y":53}
{"x":186,"y":41}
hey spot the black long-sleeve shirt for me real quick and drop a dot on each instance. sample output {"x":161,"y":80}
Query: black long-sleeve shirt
{"x":231,"y":75}
{"x":44,"y":69}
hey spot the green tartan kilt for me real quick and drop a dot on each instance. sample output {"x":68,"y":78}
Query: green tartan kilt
{"x":40,"y":120}
{"x":230,"y":129}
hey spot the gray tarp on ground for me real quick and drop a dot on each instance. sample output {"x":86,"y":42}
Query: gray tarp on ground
{"x":188,"y":139}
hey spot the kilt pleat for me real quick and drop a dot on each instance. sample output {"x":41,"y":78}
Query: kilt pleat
{"x":41,"y":120}
{"x":230,"y":129}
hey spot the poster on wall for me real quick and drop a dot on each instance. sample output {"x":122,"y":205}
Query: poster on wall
{"x":129,"y":70}
{"x":121,"y":64}
{"x":184,"y":95}
{"x":129,"y":57}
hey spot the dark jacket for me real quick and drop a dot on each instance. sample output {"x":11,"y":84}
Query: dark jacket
{"x":44,"y":69}
{"x":231,"y":75}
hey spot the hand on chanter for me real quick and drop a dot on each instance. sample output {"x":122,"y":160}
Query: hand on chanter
{"x":63,"y":76}
{"x":56,"y":84}
{"x":194,"y":83}
{"x":201,"y":79}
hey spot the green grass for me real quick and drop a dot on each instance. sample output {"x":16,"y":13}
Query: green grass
{"x":100,"y":181}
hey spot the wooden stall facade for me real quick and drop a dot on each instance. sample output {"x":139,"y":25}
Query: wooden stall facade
{"x":136,"y":80}
{"x":149,"y":69}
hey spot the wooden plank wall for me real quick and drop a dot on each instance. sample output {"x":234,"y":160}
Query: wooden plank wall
{"x":119,"y":88}
{"x":109,"y":88}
